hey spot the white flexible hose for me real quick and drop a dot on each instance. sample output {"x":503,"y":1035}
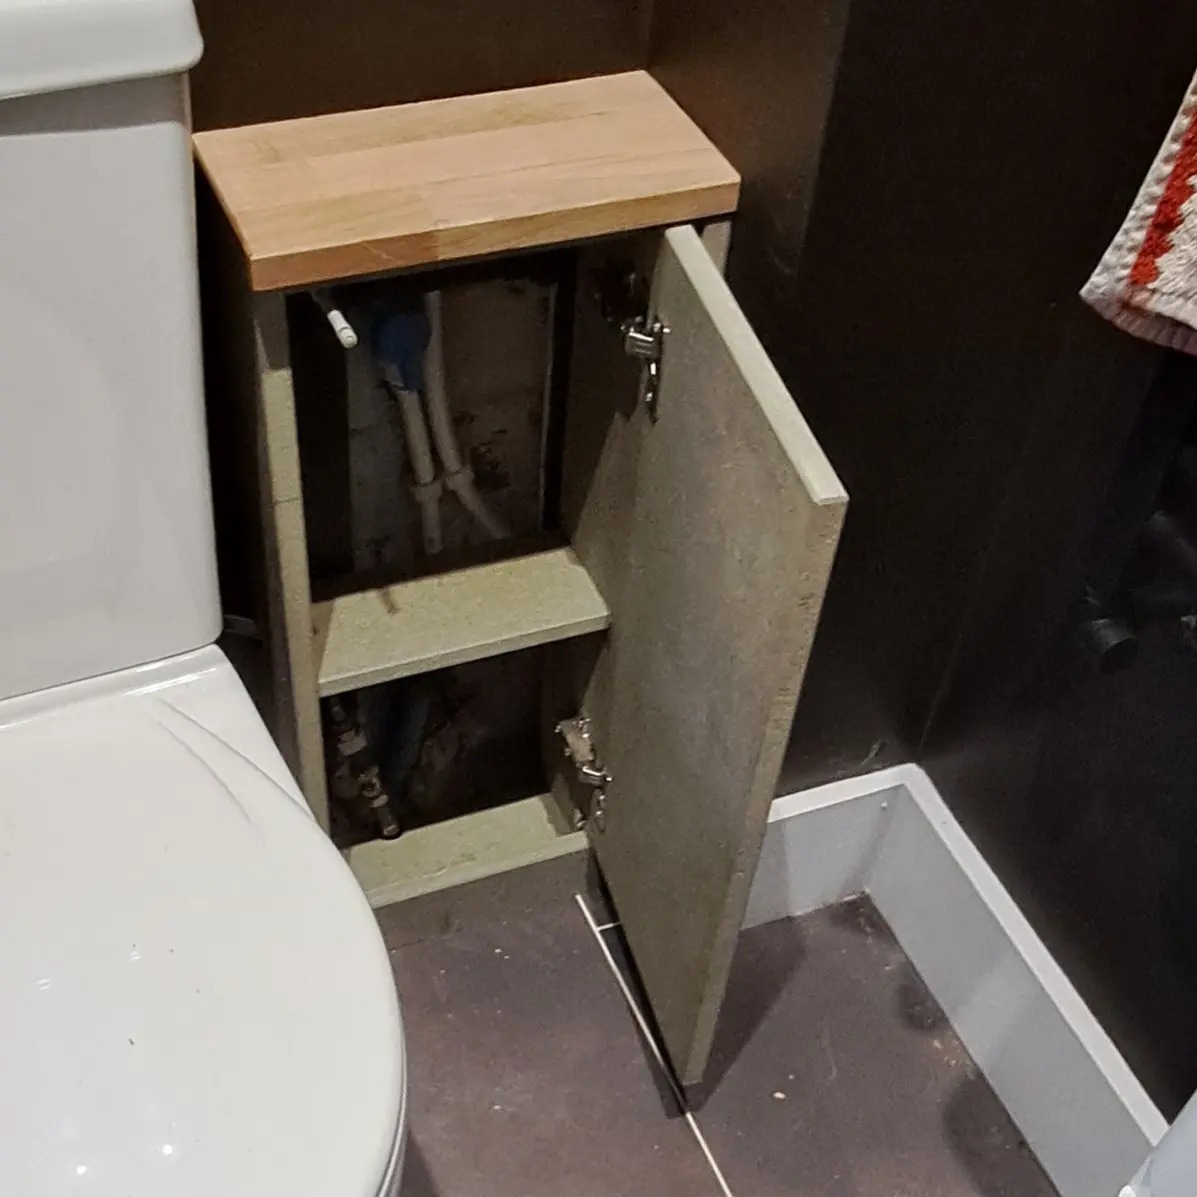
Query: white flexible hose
{"x":429,"y":499}
{"x":459,"y":478}
{"x":434,"y":384}
{"x":462,"y":485}
{"x":418,"y":446}
{"x":426,"y":487}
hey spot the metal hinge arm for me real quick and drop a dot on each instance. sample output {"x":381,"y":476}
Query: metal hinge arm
{"x":645,"y":339}
{"x":579,"y":748}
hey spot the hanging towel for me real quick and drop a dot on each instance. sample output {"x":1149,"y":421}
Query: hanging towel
{"x":1147,"y":281}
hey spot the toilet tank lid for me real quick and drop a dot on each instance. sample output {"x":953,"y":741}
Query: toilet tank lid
{"x":52,"y":45}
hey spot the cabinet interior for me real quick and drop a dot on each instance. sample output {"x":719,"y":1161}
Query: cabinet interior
{"x":440,"y":657}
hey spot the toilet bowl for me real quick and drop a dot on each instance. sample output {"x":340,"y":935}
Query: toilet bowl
{"x":195,"y":996}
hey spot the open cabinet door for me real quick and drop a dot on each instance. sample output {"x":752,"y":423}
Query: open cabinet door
{"x":710,"y":526}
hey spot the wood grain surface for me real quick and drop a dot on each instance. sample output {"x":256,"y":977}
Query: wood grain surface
{"x":359,"y":193}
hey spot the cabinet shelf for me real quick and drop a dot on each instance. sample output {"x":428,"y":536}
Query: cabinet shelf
{"x":431,"y":623}
{"x":444,"y":855}
{"x":358,"y":193}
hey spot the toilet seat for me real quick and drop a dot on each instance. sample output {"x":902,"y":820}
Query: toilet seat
{"x":195,"y":999}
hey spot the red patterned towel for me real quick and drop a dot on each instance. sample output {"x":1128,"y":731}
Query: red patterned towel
{"x":1147,"y":281}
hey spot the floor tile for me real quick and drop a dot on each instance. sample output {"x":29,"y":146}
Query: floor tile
{"x":527,"y":1075}
{"x":835,"y":1074}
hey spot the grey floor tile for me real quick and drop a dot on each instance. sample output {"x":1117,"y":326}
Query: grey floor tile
{"x":527,"y":1075}
{"x":836,"y":1074}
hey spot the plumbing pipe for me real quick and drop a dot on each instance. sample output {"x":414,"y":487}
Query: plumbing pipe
{"x":399,"y":341}
{"x":1165,"y":533}
{"x":434,"y":386}
{"x":462,"y":485}
{"x":335,"y":317}
{"x":355,"y":753}
{"x":459,"y":478}
{"x":1110,"y":640}
{"x":403,"y":723}
{"x":426,"y":487}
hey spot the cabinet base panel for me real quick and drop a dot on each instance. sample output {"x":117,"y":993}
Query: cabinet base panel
{"x":443,"y":856}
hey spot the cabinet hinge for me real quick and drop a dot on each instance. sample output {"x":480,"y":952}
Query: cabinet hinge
{"x":645,"y":339}
{"x":623,"y":298}
{"x":593,"y":779}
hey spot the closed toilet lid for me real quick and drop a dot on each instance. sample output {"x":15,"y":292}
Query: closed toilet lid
{"x":194,"y":997}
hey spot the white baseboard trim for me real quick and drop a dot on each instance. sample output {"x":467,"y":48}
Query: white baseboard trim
{"x":890,"y":835}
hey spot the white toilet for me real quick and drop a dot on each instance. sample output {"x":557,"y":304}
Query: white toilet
{"x":194,"y":996}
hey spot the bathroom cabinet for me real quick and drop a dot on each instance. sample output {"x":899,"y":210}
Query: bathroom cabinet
{"x":699,"y":515}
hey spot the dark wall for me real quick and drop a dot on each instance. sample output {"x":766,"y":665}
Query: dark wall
{"x":911,"y":253}
{"x":266,"y":60}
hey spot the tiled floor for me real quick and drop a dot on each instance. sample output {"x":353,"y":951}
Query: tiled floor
{"x":834,"y":1073}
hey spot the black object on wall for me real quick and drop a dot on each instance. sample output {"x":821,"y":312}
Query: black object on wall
{"x":976,"y":160}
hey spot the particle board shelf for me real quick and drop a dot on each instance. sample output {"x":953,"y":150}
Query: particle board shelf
{"x":431,"y":623}
{"x":459,"y":851}
{"x":358,"y":193}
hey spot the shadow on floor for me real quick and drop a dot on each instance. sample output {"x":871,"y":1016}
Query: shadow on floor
{"x":417,"y":1180}
{"x":762,"y":970}
{"x":987,"y":1144}
{"x":663,"y":1081}
{"x":916,"y":1006}
{"x":835,"y":1068}
{"x":977,"y":1129}
{"x":527,"y":1077}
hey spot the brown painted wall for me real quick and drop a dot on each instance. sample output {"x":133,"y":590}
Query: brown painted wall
{"x":267,"y":60}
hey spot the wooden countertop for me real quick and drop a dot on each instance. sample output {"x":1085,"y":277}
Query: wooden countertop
{"x":358,"y":193}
